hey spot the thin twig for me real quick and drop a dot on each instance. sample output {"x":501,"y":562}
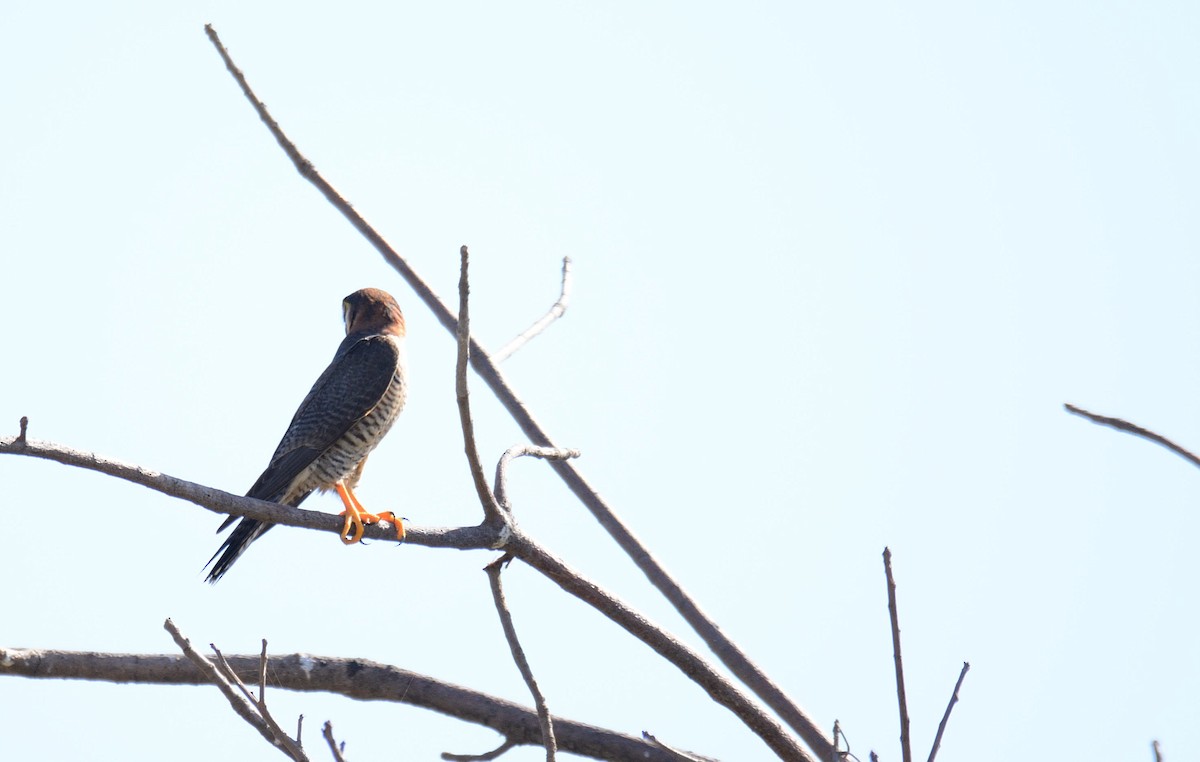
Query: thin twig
{"x":334,"y":747}
{"x":356,"y":678}
{"x":20,"y":440}
{"x":1134,"y":429}
{"x":555,"y":312}
{"x":262,"y":675}
{"x":517,"y":451}
{"x":246,"y":710}
{"x":905,"y":742}
{"x":484,"y":757}
{"x":491,"y":509}
{"x":937,"y":740}
{"x":514,"y":646}
{"x":725,"y":649}
{"x":1158,"y":757}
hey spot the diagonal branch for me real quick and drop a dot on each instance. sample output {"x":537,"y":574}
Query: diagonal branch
{"x":664,"y":644}
{"x":514,"y":645}
{"x":556,"y":311}
{"x":937,"y":740}
{"x":1134,"y":429}
{"x":905,"y":742}
{"x":359,"y":679}
{"x":725,"y":649}
{"x":253,"y":715}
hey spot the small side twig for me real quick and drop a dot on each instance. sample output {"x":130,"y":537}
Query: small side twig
{"x":20,"y":441}
{"x":244,"y":708}
{"x":1158,"y":757}
{"x":487,"y":755}
{"x":677,"y":754}
{"x":1134,"y":429}
{"x":334,"y":747}
{"x":937,"y":740}
{"x":554,"y":313}
{"x":905,"y":741}
{"x":514,"y":645}
{"x":517,"y":451}
{"x":491,"y":509}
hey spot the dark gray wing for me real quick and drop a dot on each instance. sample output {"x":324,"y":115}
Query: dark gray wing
{"x":352,"y":385}
{"x":347,"y":391}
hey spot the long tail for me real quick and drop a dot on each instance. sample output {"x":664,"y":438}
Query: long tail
{"x":246,"y":532}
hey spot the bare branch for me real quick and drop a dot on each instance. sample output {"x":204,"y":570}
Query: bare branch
{"x":556,"y":311}
{"x":218,"y":501}
{"x":487,"y":755}
{"x":905,"y":742}
{"x":334,"y":746}
{"x":359,"y":679}
{"x":241,"y":706}
{"x":24,"y":428}
{"x":664,"y":644}
{"x":1158,"y":757}
{"x":937,"y":740}
{"x":1121,"y":425}
{"x":514,"y":645}
{"x":491,"y":509}
{"x":725,"y":649}
{"x":517,"y":451}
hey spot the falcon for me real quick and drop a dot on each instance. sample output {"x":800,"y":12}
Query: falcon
{"x":345,"y":415}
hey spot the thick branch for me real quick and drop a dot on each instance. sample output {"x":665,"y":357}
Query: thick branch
{"x":354,"y":678}
{"x":664,"y":644}
{"x":462,"y":538}
{"x":556,"y":311}
{"x":725,"y":649}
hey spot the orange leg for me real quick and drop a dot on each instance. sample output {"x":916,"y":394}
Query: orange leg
{"x":357,"y":516}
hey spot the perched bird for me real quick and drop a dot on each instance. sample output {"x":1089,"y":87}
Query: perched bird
{"x":345,"y":415}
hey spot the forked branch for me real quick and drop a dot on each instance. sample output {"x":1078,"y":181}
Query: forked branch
{"x":725,"y":649}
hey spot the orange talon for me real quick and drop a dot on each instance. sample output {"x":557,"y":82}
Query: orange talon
{"x":357,"y":517}
{"x":399,"y":522}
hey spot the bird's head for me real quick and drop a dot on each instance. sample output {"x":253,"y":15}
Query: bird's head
{"x":370,"y":310}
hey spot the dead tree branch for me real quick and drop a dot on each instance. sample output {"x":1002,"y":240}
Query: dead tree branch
{"x":334,"y":747}
{"x":556,"y":311}
{"x":937,"y":740}
{"x":1134,"y":429}
{"x":517,"y":451}
{"x":725,"y":649}
{"x":218,"y":501}
{"x":255,"y":715}
{"x":514,"y":645}
{"x":905,"y":742}
{"x":359,"y":679}
{"x":491,"y":509}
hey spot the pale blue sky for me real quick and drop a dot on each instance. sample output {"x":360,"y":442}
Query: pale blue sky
{"x":837,"y":268}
